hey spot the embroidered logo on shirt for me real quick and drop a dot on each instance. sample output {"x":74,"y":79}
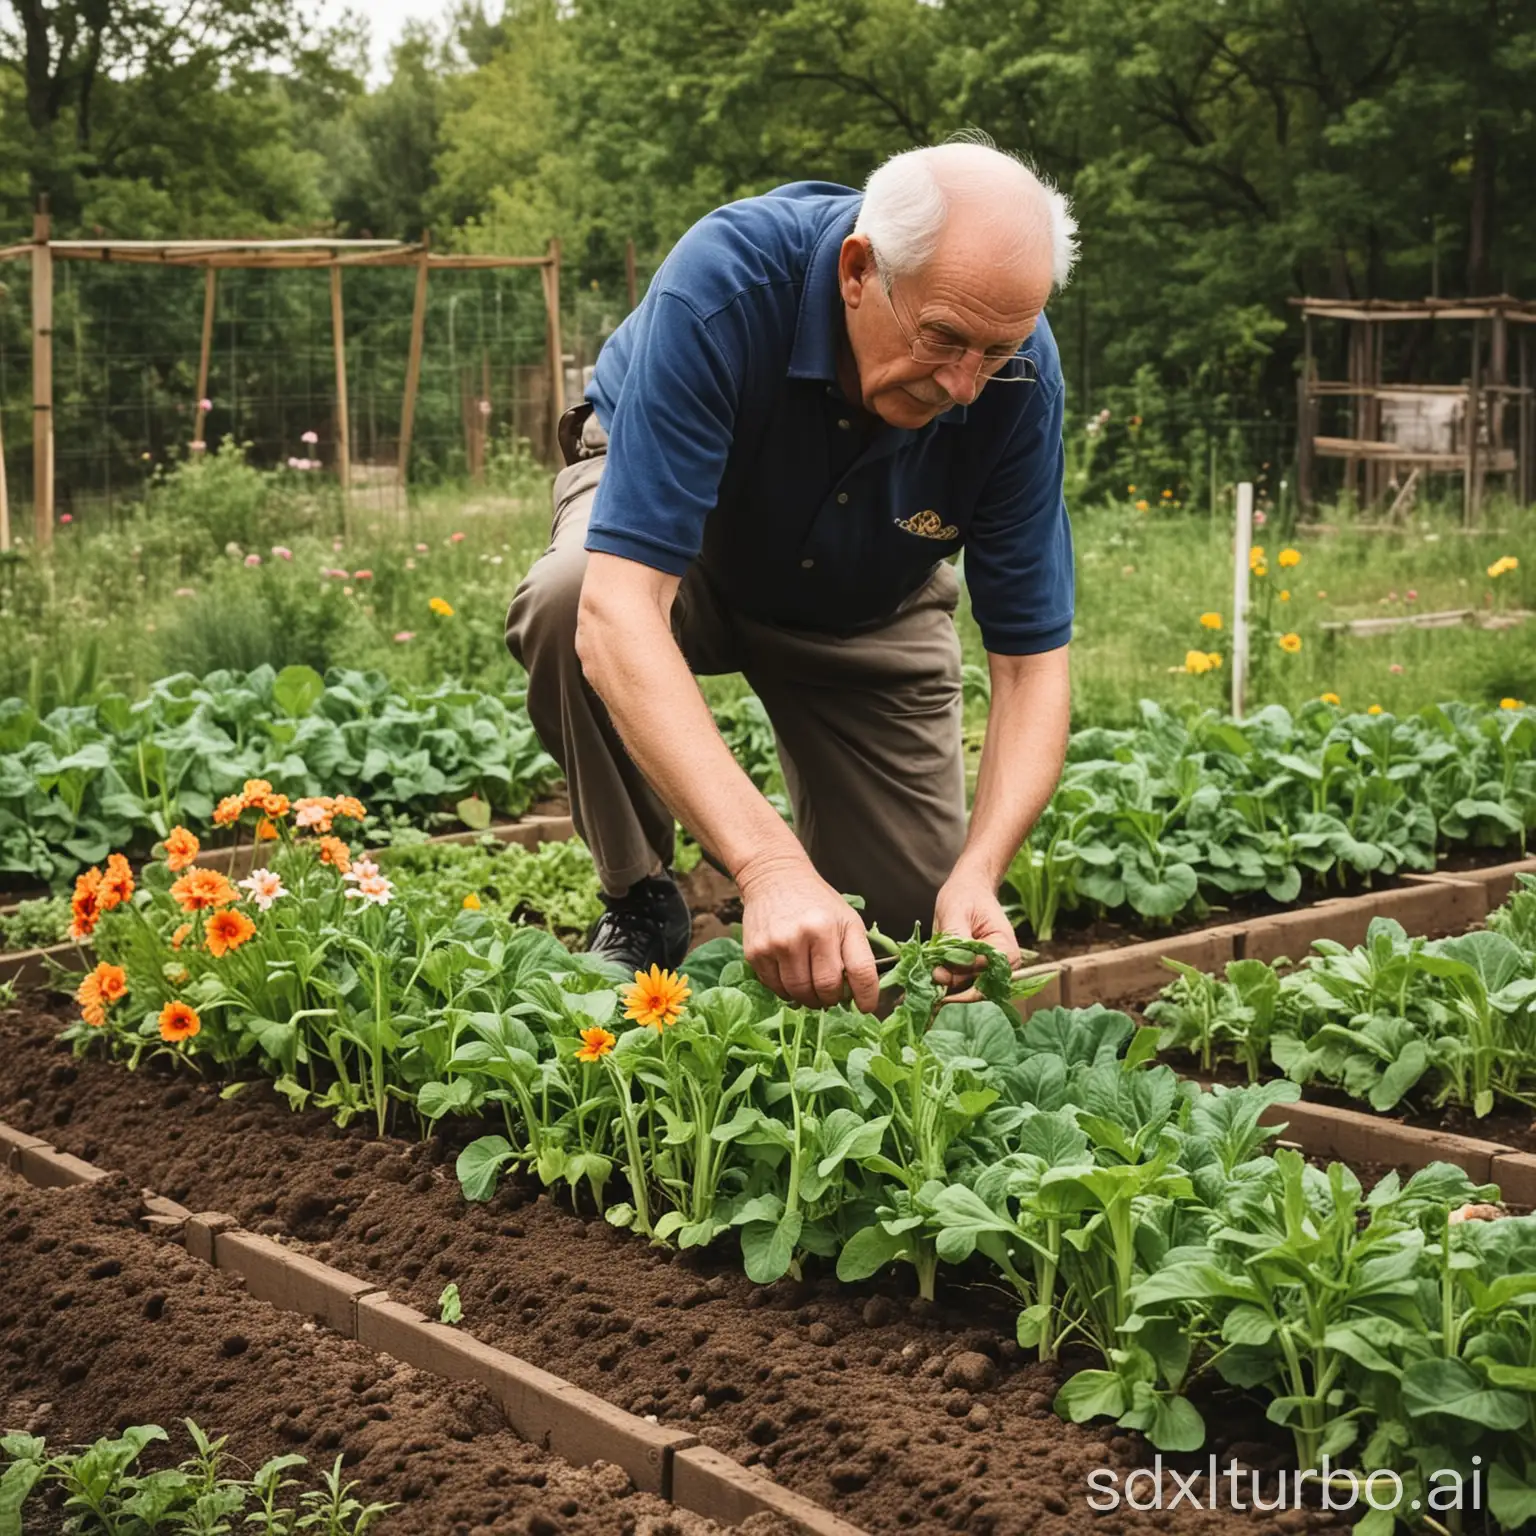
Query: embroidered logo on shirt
{"x":928,"y":525}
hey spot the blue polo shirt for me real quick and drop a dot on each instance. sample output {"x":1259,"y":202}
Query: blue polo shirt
{"x":729,"y":442}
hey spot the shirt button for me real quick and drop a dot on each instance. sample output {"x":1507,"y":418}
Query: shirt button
{"x":844,"y":423}
{"x":805,"y":565}
{"x":842,"y":498}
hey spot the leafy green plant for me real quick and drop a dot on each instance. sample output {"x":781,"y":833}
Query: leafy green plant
{"x":104,"y":1491}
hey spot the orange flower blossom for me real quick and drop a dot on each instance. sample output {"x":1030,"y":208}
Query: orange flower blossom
{"x":178,"y":1021}
{"x":228,"y":930}
{"x":201,"y":889}
{"x":181,"y":848}
{"x":595,"y":1044}
{"x":656,"y":999}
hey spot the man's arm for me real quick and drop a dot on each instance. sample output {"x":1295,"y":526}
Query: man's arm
{"x":1021,"y":759}
{"x":799,"y":935}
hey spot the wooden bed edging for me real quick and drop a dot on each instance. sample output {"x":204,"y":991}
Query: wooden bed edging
{"x":1432,"y":905}
{"x":542,"y":1408}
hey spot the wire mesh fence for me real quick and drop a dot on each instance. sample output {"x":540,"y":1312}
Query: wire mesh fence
{"x":126,"y":349}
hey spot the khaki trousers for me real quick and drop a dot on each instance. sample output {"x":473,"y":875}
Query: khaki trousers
{"x":868,"y":726}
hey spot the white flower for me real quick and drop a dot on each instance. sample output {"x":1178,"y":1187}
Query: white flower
{"x":363,"y":868}
{"x":310,"y":815}
{"x":374,"y":888}
{"x":265,"y":886}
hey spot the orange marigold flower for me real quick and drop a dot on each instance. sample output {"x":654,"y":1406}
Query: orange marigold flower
{"x":117,"y":883}
{"x":266,"y":830}
{"x":201,"y":889}
{"x":85,"y":905}
{"x":274,"y":805}
{"x":334,"y":851}
{"x":178,"y":1021}
{"x":92,"y":1009}
{"x":111,"y":982}
{"x":350,"y":807}
{"x":180,"y":936}
{"x":255,"y":791}
{"x":228,"y":810}
{"x":595,"y":1044}
{"x":228,"y":930}
{"x":656,"y":998}
{"x":181,"y":848}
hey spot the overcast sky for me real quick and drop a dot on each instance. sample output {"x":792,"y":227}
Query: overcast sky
{"x":386,"y":20}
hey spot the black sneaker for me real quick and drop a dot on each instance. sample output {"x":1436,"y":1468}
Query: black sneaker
{"x":649,"y":925}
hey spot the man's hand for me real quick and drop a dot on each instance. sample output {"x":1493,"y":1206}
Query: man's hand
{"x":802,"y":938}
{"x":967,"y":907}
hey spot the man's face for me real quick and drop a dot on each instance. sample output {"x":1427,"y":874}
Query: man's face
{"x":963,"y":315}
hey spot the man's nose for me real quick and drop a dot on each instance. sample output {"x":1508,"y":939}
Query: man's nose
{"x":960,"y":381}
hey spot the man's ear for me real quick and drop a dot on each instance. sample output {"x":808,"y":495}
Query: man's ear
{"x":855,"y":267}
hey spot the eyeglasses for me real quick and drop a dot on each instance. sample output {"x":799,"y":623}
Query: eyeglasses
{"x":1001,"y":364}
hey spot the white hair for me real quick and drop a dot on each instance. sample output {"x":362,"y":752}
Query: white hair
{"x":907,"y":199}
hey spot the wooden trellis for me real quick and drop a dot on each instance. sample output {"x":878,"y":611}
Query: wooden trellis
{"x":1491,"y":420}
{"x":271,"y":255}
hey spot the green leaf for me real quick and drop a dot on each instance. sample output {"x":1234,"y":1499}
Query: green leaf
{"x":1092,"y":1395}
{"x":868,"y":1251}
{"x":767,"y":1248}
{"x":1452,"y":1387}
{"x":479,"y":1165}
{"x":474,"y":812}
{"x":449,"y":1309}
{"x":296,"y":690}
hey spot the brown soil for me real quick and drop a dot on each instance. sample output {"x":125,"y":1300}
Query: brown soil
{"x":901,"y":1415}
{"x":102,"y":1327}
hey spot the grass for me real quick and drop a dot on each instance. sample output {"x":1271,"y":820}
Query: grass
{"x":169,"y":590}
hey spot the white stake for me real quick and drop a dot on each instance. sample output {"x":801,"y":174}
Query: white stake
{"x":1241,"y":546}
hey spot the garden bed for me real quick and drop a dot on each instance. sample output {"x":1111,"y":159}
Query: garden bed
{"x":102,"y":1326}
{"x":899,"y":1414}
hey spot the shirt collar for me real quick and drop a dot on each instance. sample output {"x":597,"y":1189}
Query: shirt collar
{"x":820,"y":321}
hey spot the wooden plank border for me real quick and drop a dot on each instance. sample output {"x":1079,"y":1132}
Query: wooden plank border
{"x":541,"y":1407}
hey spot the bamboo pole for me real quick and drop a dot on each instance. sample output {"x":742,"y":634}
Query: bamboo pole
{"x":343,"y":428}
{"x":413,"y":366}
{"x":209,"y":280}
{"x":556,"y":347}
{"x":42,"y":379}
{"x":1470,"y":487}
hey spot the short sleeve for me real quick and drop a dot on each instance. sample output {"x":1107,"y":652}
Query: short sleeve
{"x":1018,"y":553}
{"x":668,"y":439}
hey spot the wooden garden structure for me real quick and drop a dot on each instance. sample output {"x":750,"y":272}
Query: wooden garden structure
{"x":274,"y":255}
{"x":1483,"y":425}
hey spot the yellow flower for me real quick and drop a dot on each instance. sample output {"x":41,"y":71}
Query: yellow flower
{"x":1130,"y":490}
{"x":1261,"y":569}
{"x":1510,"y":704}
{"x":1285,"y":596}
{"x":1330,"y":698}
{"x":1214,"y":658}
{"x":1373,"y":709}
{"x":595,"y":1044}
{"x":1290,"y":643}
{"x":1210,"y":620}
{"x":1502,"y":564}
{"x":1141,"y":506}
{"x":1196,"y":662}
{"x":441,"y":607}
{"x":1289,"y":557}
{"x":656,"y":999}
{"x":1167,"y":495}
{"x":471,"y":903}
{"x":1256,"y":555}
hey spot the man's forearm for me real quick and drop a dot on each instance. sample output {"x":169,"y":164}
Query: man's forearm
{"x":1021,"y":758}
{"x":633,"y":662}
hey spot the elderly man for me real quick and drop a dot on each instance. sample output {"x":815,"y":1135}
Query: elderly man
{"x":821,"y":398}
